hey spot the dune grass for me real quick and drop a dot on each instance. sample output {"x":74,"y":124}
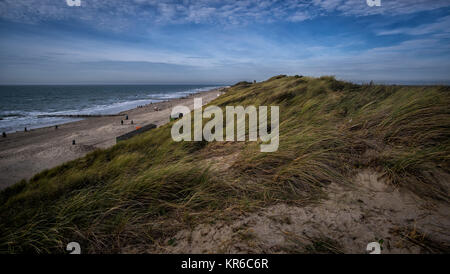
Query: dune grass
{"x":145,"y":189}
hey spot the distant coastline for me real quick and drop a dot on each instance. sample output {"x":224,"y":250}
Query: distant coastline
{"x":34,"y":107}
{"x":23,"y":154}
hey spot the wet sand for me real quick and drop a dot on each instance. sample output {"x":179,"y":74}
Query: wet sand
{"x":23,"y":154}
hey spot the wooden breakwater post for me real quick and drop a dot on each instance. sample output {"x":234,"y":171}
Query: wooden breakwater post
{"x":135,"y":132}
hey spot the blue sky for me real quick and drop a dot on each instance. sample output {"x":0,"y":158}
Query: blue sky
{"x":222,"y":41}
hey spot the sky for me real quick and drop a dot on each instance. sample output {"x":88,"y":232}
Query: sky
{"x":222,"y":41}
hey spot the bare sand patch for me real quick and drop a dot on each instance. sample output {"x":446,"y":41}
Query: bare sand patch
{"x":368,"y":210}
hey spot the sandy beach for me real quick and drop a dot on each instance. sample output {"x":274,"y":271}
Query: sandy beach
{"x":23,"y":154}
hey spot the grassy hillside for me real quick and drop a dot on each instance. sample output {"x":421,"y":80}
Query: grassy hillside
{"x":149,"y":187}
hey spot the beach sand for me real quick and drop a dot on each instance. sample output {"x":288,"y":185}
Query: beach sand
{"x":23,"y":154}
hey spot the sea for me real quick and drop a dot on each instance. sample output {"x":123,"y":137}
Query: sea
{"x":29,"y":106}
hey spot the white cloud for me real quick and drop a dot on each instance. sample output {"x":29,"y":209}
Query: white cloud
{"x":299,"y":16}
{"x":231,"y":54}
{"x":112,"y":12}
{"x":409,"y":61}
{"x":441,"y":26}
{"x":389,"y":7}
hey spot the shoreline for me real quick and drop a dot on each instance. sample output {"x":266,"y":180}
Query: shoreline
{"x":24,"y":154}
{"x":37,"y":119}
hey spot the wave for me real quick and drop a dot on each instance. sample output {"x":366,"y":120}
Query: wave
{"x":180,"y":94}
{"x":8,"y":114}
{"x":11,"y":121}
{"x":123,"y":105}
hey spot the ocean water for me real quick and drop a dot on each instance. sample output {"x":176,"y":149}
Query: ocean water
{"x":21,"y":106}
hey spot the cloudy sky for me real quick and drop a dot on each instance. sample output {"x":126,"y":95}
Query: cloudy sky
{"x":222,"y":41}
